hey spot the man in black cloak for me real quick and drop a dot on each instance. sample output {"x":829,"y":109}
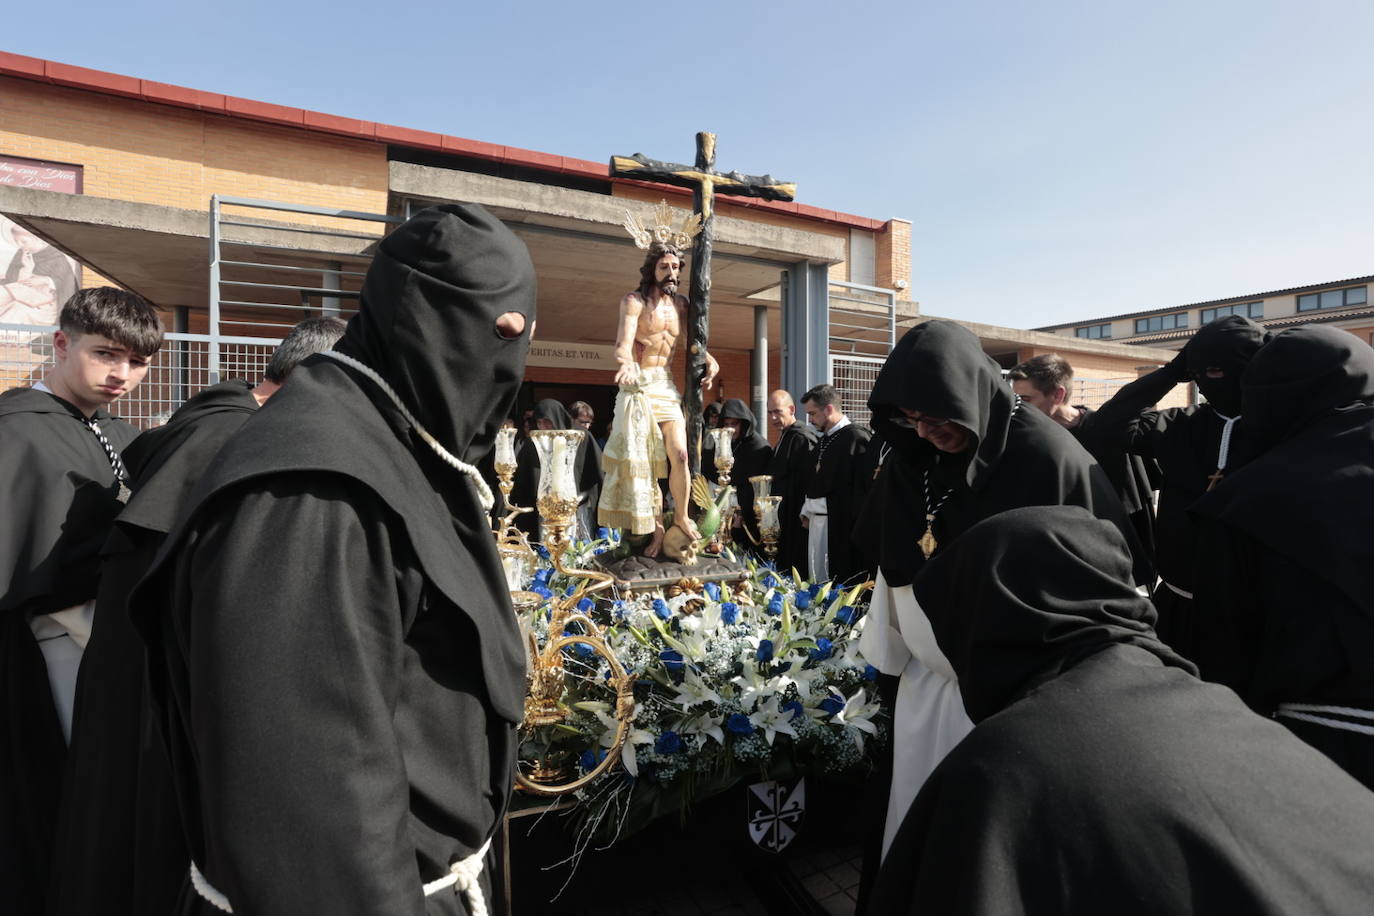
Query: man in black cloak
{"x":61,"y":485}
{"x":792,"y":460}
{"x":550,"y":414}
{"x":836,"y":483}
{"x":752,"y":454}
{"x":1192,"y":447}
{"x":962,"y":447}
{"x":333,"y":653}
{"x":1289,"y":552}
{"x":1102,"y":776}
{"x":1043,"y":382}
{"x":119,"y":843}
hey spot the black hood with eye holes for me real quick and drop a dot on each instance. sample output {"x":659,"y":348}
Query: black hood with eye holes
{"x":1227,"y":344}
{"x":427,"y":323}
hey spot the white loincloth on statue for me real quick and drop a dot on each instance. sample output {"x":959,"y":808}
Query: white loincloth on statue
{"x":62,"y":637}
{"x":634,"y":459}
{"x":929,"y":718}
{"x":817,"y":537}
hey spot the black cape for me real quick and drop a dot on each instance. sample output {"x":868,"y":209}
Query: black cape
{"x":792,"y":461}
{"x":753,"y":455}
{"x":59,"y":497}
{"x":332,"y":647}
{"x":1133,"y":478}
{"x":1185,"y":444}
{"x":528,"y":467}
{"x":1290,"y":558}
{"x":1018,"y":456}
{"x":842,"y":472}
{"x":120,"y":845}
{"x":1102,"y":776}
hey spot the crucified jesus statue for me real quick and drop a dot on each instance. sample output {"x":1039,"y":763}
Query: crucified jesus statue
{"x":648,"y":433}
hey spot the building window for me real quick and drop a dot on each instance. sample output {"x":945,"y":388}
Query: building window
{"x":1333,"y":299}
{"x":1161,"y":323}
{"x":1243,"y":309}
{"x":1094,"y":332}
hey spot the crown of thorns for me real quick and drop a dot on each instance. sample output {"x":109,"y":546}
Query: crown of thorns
{"x":660,"y":228}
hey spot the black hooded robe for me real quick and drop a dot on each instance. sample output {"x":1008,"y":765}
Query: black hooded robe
{"x":60,"y":498}
{"x":1186,"y":445}
{"x":840,"y":471}
{"x":1102,"y":776}
{"x":119,"y":842}
{"x":1290,"y":558}
{"x":1133,"y":478}
{"x":753,"y":455}
{"x":332,"y":648}
{"x":793,"y":457}
{"x":525,"y":491}
{"x":1017,"y":456}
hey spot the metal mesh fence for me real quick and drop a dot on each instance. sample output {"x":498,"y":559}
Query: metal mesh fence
{"x":179,"y":370}
{"x":1094,"y":392}
{"x":853,"y":378}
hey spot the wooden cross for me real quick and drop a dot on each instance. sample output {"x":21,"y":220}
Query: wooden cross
{"x":1213,"y":478}
{"x":705,"y":183}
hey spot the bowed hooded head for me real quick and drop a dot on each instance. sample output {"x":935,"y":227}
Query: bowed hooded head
{"x":939,"y":370}
{"x":1227,"y":344}
{"x":431,"y":322}
{"x":551,"y":414}
{"x":1025,"y":595}
{"x":737,"y":410}
{"x":1301,"y":375}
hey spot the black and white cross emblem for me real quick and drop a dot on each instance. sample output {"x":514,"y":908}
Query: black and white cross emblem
{"x":775,"y":813}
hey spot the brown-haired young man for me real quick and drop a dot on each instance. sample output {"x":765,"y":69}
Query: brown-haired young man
{"x":62,"y":484}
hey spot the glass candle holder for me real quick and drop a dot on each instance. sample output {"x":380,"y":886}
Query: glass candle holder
{"x":721,"y":440}
{"x":517,"y":561}
{"x":763,"y":486}
{"x":504,"y":459}
{"x":557,"y":478}
{"x":768,"y":513}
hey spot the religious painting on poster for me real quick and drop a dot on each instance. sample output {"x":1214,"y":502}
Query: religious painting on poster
{"x":37,"y":277}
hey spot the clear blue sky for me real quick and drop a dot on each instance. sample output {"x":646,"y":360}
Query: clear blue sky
{"x":1059,"y":159}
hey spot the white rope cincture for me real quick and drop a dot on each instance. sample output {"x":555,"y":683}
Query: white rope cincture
{"x":1224,"y":453}
{"x":464,"y":877}
{"x":484,"y":495}
{"x":1295,"y":711}
{"x":1176,"y":590}
{"x":207,"y":890}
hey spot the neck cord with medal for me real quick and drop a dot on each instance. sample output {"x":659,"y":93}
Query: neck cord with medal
{"x":116,"y":463}
{"x":1224,"y":453}
{"x":484,"y":495}
{"x":927,"y":543}
{"x":824,"y":444}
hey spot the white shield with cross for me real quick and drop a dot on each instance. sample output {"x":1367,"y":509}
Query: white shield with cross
{"x":775,"y":813}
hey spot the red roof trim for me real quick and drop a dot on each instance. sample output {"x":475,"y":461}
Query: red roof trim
{"x":33,"y":68}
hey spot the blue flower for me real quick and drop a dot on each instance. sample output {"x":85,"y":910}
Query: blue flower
{"x":603,"y":534}
{"x":845,"y":614}
{"x":739,"y":724}
{"x":590,"y":758}
{"x":668,"y":743}
{"x":775,"y":605}
{"x":543,"y":575}
{"x":770,"y":581}
{"x":765,"y":650}
{"x":797,"y":709}
{"x":815,"y":589}
{"x":598,"y":551}
{"x":661,"y":610}
{"x":585,"y":605}
{"x":542,"y":551}
{"x":729,"y":612}
{"x":671,"y":658}
{"x":870,"y":673}
{"x":569,"y":591}
{"x":802,"y":599}
{"x":712,"y":591}
{"x":542,"y":592}
{"x":832,"y":704}
{"x":824,"y":649}
{"x":620,"y":610}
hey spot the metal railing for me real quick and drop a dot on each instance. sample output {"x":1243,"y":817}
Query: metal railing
{"x":863,"y":331}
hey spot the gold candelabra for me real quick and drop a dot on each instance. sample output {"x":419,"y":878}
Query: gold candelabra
{"x":547,"y":683}
{"x":722,"y":441}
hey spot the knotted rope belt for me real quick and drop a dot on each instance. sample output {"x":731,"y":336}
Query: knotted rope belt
{"x":462,"y":876}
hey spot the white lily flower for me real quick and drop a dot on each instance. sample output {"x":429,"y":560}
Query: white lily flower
{"x":694,"y":690}
{"x":773,"y":720}
{"x":704,"y":724}
{"x":754,"y":689}
{"x":858,"y":714}
{"x":636,"y":736}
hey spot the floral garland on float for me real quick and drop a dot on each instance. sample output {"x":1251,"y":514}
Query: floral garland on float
{"x":664,"y":697}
